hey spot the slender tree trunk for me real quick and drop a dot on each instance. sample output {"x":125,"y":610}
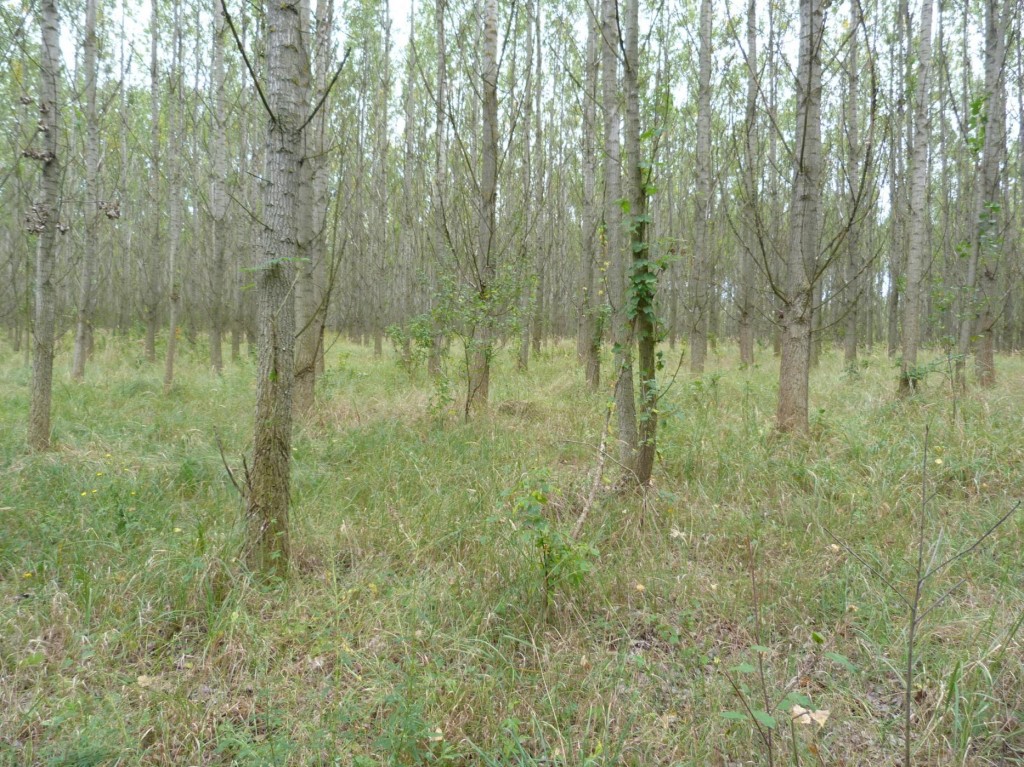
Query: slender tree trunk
{"x":439,"y":185}
{"x":643,"y":280}
{"x":174,"y":215}
{"x":615,"y":255}
{"x":311,"y":289}
{"x":83,"y":330}
{"x":44,"y":218}
{"x":218,"y":193}
{"x":480,"y":367}
{"x":805,"y":223}
{"x":851,"y":117}
{"x":700,"y":276}
{"x":919,"y":214}
{"x":149,"y":261}
{"x":590,"y":327}
{"x":751,"y":243}
{"x":287,"y":94}
{"x":988,"y":237}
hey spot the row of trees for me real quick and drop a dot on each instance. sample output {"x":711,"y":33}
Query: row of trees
{"x":518,"y":171}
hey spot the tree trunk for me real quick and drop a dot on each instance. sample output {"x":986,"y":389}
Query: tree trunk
{"x":174,"y":216}
{"x":480,"y":365}
{"x":311,"y":291}
{"x":751,"y":243}
{"x":643,"y":281}
{"x":988,"y":235}
{"x":805,"y":223}
{"x":83,"y":330}
{"x":593,"y":297}
{"x":44,"y":219}
{"x":287,"y":93}
{"x":700,"y":276}
{"x":919,"y":214}
{"x":615,"y":255}
{"x":218,"y":194}
{"x":851,"y":117}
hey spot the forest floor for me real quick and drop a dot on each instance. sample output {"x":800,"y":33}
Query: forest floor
{"x":679,"y":628}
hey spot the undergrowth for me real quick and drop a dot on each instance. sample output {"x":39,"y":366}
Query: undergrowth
{"x":432,"y":616}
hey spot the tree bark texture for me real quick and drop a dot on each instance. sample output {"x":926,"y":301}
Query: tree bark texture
{"x":44,"y":220}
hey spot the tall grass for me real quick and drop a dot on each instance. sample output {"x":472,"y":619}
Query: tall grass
{"x":412,"y":631}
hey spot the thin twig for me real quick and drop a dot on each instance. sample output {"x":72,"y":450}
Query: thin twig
{"x":327,"y":91}
{"x":224,"y":460}
{"x":241,"y":49}
{"x":598,"y":471}
{"x":973,"y":546}
{"x":874,"y":571}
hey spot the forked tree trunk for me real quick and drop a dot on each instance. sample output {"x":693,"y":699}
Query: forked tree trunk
{"x":270,"y":486}
{"x":44,"y":219}
{"x":805,"y":223}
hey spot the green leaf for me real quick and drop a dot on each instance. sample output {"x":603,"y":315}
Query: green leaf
{"x":735,"y":716}
{"x":842,"y":660}
{"x":743,"y":668}
{"x":760,"y":648}
{"x":765,"y":719}
{"x":818,"y":638}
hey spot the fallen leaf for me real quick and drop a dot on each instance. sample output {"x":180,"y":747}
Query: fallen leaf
{"x":803,"y":715}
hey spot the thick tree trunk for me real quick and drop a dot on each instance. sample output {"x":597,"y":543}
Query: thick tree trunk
{"x":287,"y":93}
{"x":44,"y":219}
{"x":805,"y":223}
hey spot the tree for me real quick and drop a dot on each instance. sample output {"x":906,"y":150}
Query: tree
{"x":918,"y":202}
{"x":480,"y":369}
{"x":44,"y":221}
{"x":86,"y":298}
{"x":701,"y":273}
{"x":801,"y":264}
{"x":590,"y":312}
{"x":218,"y":188}
{"x":287,"y":106}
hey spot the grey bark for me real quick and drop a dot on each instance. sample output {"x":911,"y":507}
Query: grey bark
{"x":287,"y":93}
{"x":44,"y":219}
{"x":701,"y":272}
{"x":918,"y":218}
{"x":480,"y":366}
{"x":805,"y":225}
{"x":86,"y":297}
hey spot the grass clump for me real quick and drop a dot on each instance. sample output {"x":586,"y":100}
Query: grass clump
{"x":434,"y":616}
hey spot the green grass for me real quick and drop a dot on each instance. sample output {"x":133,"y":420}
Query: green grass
{"x":410,"y":630}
